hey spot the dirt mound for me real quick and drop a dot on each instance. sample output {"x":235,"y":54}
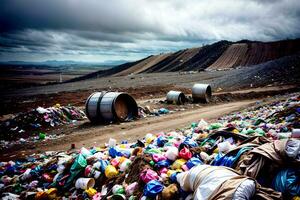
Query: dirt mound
{"x":253,"y":53}
{"x":285,"y":70}
{"x":174,"y":61}
{"x":233,"y":56}
{"x":219,"y":55}
{"x":206,"y":56}
{"x":191,"y":59}
{"x":143,"y":65}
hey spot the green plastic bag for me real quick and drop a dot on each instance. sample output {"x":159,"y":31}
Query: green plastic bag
{"x":151,"y":151}
{"x":78,"y":166}
{"x":194,"y":125}
{"x":260,"y":132}
{"x":42,"y":136}
{"x":214,"y":126}
{"x":250,"y":131}
{"x":258,"y":122}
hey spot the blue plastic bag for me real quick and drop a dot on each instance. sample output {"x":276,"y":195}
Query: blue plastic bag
{"x":190,"y":143}
{"x":163,"y":111}
{"x":153,"y":188}
{"x":173,"y":177}
{"x":161,"y":141}
{"x":193,"y":162}
{"x":113,"y":152}
{"x":287,"y":181}
{"x":103,"y":165}
{"x":162,"y":163}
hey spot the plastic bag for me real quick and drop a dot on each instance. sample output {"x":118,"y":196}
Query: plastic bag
{"x":287,"y":182}
{"x":203,"y":124}
{"x":131,"y":188}
{"x":292,"y":149}
{"x":170,"y":192}
{"x":162,"y":163}
{"x":113,"y":152}
{"x":178,"y":163}
{"x":185,"y":153}
{"x":190,"y":143}
{"x":172,"y":153}
{"x":124,"y":165}
{"x":158,"y":157}
{"x":193,"y":162}
{"x":214,"y":126}
{"x":153,"y":188}
{"x":148,"y":175}
{"x":245,"y":191}
{"x":103,"y":165}
{"x":118,"y":189}
{"x":207,"y":183}
{"x":260,"y":132}
{"x":161,"y":141}
{"x":78,"y":166}
{"x":111,"y":172}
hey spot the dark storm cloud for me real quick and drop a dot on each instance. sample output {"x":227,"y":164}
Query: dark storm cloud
{"x":136,"y":28}
{"x":107,"y":16}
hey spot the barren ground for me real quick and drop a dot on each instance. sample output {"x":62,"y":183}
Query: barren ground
{"x":147,"y":89}
{"x":88,"y":135}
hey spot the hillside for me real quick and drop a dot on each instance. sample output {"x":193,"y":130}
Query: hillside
{"x":219,"y":55}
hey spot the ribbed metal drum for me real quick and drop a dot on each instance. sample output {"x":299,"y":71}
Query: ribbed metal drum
{"x":176,"y":97}
{"x":201,"y":93}
{"x":110,"y":106}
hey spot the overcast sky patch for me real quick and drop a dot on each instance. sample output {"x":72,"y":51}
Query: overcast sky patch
{"x":98,"y":30}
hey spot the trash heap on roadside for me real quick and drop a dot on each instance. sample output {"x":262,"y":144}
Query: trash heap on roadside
{"x":146,"y":111}
{"x":36,"y":120}
{"x":248,"y":154}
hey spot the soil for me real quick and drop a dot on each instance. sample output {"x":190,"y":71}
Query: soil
{"x":219,"y":55}
{"x":90,"y":135}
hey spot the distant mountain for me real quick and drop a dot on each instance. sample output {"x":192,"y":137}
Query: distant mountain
{"x":221,"y":55}
{"x":58,"y":63}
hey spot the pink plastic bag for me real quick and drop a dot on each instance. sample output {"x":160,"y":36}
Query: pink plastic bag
{"x":148,"y":175}
{"x":131,"y":188}
{"x":163,"y":170}
{"x":158,"y":157}
{"x":115,"y":162}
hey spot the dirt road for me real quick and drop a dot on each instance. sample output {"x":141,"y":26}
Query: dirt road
{"x":88,"y":135}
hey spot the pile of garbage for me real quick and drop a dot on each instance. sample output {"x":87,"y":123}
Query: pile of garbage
{"x":146,"y":111}
{"x":274,"y":120}
{"x":249,"y":154}
{"x":35,"y":121}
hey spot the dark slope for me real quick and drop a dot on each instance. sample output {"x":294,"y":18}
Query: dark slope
{"x":253,"y":53}
{"x":201,"y":58}
{"x":219,"y":55}
{"x":165,"y":63}
{"x":206,"y":56}
{"x":281,"y":71}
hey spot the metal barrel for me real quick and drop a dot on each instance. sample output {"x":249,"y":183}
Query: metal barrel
{"x":110,"y":106}
{"x":201,"y":93}
{"x":176,"y":97}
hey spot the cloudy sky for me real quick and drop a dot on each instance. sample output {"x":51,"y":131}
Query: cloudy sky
{"x":99,"y":30}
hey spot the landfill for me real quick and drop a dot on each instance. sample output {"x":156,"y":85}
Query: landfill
{"x":252,"y":154}
{"x":146,"y":111}
{"x":36,"y":121}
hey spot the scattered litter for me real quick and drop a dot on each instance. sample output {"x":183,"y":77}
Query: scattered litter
{"x":242,"y":155}
{"x":34,"y":125}
{"x":33,"y":122}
